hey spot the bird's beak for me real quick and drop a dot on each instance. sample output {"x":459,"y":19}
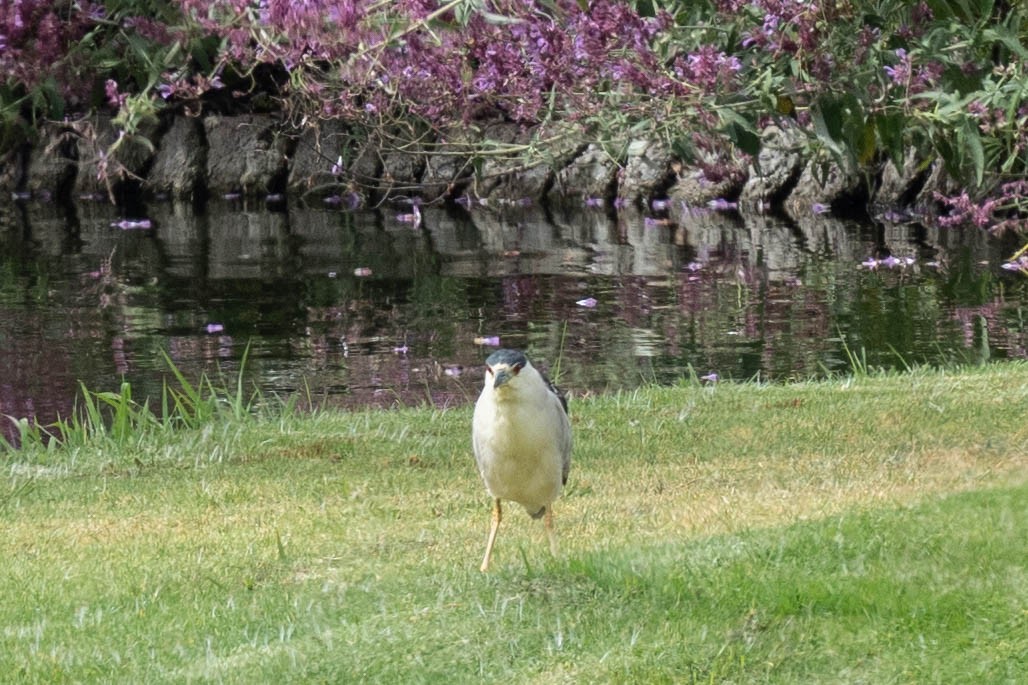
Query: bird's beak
{"x":502,"y":376}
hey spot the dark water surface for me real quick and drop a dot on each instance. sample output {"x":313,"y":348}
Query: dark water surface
{"x":366,"y":308}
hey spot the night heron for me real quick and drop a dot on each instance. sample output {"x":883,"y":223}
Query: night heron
{"x":522,"y":440}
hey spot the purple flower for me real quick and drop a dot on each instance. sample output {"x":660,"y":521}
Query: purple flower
{"x":721,"y":204}
{"x":362,"y":271}
{"x":353,"y":200}
{"x":870,"y":263}
{"x":337,"y":167}
{"x":114,"y":98}
{"x":708,"y":67}
{"x":820,"y":208}
{"x":710,"y":378}
{"x":588,"y":302}
{"x":214,"y":328}
{"x":659,"y":205}
{"x":400,"y":350}
{"x":594,"y":202}
{"x":900,"y":73}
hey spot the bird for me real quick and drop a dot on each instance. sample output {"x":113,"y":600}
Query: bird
{"x":521,"y":435}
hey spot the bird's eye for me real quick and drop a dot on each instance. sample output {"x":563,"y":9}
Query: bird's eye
{"x":517,"y":368}
{"x":489,"y":369}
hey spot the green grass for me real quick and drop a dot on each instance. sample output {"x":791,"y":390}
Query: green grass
{"x":869,"y":530}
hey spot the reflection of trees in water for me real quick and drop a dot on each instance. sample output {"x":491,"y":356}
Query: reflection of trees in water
{"x":676,"y":290}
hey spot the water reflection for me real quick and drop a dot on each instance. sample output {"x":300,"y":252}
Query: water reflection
{"x":365,"y":308}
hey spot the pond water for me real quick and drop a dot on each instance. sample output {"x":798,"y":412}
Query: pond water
{"x":370,"y":308}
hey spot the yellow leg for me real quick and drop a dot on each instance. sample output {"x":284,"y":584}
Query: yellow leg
{"x":548,"y":522}
{"x":497,"y":517}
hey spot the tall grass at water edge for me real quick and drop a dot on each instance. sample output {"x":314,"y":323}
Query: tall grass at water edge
{"x":860,"y":530}
{"x":117,"y":419}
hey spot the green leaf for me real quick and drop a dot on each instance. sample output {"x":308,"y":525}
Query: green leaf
{"x":972,"y":142}
{"x":950,"y":157}
{"x":966,"y":10}
{"x":854,"y":125}
{"x":868,"y":145}
{"x":1001,"y":34}
{"x":889,"y":128}
{"x":827,"y":117}
{"x":500,"y":19}
{"x":741,"y":132}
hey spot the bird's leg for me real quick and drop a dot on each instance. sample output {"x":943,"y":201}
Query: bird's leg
{"x":550,"y":533}
{"x":497,"y":517}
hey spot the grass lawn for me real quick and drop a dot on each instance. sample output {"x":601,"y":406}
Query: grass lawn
{"x":870,"y":530}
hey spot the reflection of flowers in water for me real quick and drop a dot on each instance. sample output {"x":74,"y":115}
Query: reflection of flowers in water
{"x":983,"y":325}
{"x":890,"y":262}
{"x":105,"y":284}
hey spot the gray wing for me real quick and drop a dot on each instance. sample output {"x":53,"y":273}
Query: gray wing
{"x":565,"y":447}
{"x":565,"y":461}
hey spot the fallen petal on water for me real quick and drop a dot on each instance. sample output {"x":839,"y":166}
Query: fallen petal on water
{"x":130,"y":224}
{"x":720,"y":204}
{"x":491,"y":341}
